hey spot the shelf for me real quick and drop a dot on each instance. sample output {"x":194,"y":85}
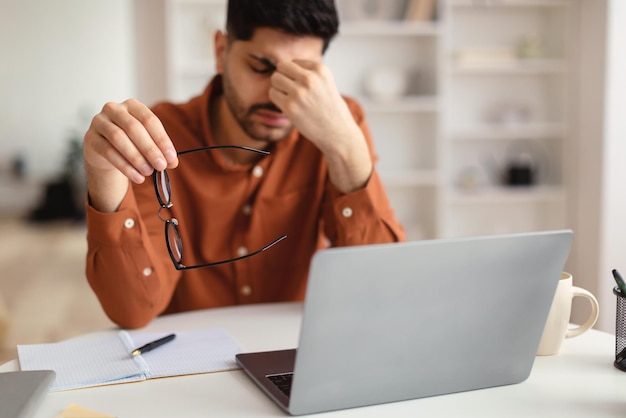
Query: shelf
{"x":510,"y":132}
{"x":200,"y":2}
{"x":493,"y":195}
{"x":389,"y":28}
{"x":518,"y":67}
{"x":411,"y":104}
{"x":447,"y":122}
{"x":510,"y":3}
{"x":409,"y":178}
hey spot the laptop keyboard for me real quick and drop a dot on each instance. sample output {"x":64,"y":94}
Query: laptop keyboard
{"x":282,"y":382}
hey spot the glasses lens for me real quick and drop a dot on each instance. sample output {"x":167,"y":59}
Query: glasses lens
{"x":174,"y":243}
{"x":163,"y":189}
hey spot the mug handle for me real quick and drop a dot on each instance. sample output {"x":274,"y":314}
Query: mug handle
{"x":577,"y":291}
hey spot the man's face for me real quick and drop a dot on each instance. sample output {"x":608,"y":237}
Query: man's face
{"x":246,"y":68}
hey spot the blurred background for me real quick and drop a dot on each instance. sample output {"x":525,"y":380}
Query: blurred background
{"x":489,"y":116}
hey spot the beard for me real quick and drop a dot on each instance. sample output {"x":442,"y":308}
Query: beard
{"x":242,"y":114}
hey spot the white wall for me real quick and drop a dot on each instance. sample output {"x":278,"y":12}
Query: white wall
{"x":613,"y":213}
{"x":151,"y":50}
{"x":587,"y":153}
{"x":600,"y":165}
{"x":59,"y":59}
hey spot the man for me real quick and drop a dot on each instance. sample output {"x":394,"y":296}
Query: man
{"x":318,"y":185}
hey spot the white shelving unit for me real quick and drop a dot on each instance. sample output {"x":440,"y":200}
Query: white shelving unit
{"x":471,"y":104}
{"x":506,"y":84}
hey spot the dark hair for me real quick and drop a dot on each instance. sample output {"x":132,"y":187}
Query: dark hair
{"x":297,"y":17}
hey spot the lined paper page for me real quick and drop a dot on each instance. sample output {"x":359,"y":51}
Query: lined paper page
{"x":191,"y":352}
{"x":92,"y":360}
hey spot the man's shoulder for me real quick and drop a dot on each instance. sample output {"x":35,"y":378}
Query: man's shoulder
{"x":168,"y":110}
{"x":183,"y":119}
{"x":177,"y":111}
{"x":187,"y":111}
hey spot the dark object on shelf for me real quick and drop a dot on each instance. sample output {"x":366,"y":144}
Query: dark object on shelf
{"x":58,"y":203}
{"x":520,"y":175}
{"x":64,"y":197}
{"x":18,"y":167}
{"x":521,"y":172}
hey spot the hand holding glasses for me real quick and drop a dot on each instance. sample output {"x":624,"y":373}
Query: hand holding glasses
{"x":163,"y":190}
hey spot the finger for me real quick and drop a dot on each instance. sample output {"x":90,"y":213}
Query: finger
{"x":309,"y":67}
{"x":308,"y":74}
{"x":282,"y":83}
{"x":135,"y":141}
{"x":291,"y":70}
{"x":103,"y":149}
{"x":156,"y":131}
{"x":308,"y":64}
{"x":118,"y":142}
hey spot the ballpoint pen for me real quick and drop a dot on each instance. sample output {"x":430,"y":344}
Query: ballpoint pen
{"x":620,"y":281}
{"x":152,"y":345}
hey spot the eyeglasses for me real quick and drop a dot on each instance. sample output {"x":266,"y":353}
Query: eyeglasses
{"x":174,"y":243}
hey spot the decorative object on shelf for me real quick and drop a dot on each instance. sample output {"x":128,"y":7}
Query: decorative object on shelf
{"x":471,"y":178}
{"x":386,"y":83}
{"x":531,"y":47}
{"x":528,"y":163}
{"x":521,"y":171}
{"x":525,"y":162}
{"x":370,"y":10}
{"x":486,"y":57}
{"x":420,"y":10}
{"x":18,"y":166}
{"x":509,"y":114}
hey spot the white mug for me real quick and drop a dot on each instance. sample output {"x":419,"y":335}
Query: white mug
{"x":557,"y":325}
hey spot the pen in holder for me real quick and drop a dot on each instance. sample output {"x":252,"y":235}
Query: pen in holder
{"x":620,"y":330}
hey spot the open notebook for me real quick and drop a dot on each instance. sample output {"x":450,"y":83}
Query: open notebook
{"x":103,"y":358}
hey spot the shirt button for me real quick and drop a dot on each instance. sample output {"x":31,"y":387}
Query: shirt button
{"x":246,"y":290}
{"x":247,"y":210}
{"x":346,"y":212}
{"x":147,"y":271}
{"x":129,"y":223}
{"x":241,"y":251}
{"x":257,"y":171}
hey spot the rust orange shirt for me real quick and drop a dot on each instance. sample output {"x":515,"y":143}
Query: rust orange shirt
{"x":224,"y":211}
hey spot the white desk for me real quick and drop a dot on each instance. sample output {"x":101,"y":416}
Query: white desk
{"x":579,"y":382}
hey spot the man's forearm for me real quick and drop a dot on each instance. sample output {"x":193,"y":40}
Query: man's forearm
{"x":350,"y":167}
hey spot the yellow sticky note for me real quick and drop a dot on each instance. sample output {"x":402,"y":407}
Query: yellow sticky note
{"x":75,"y":411}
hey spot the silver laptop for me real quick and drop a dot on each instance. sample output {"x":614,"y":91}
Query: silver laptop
{"x":392,"y":322}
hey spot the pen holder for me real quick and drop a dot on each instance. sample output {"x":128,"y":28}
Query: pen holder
{"x":620,"y":330}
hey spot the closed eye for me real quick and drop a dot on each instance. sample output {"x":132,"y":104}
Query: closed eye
{"x":266,"y":66}
{"x":265,"y":70}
